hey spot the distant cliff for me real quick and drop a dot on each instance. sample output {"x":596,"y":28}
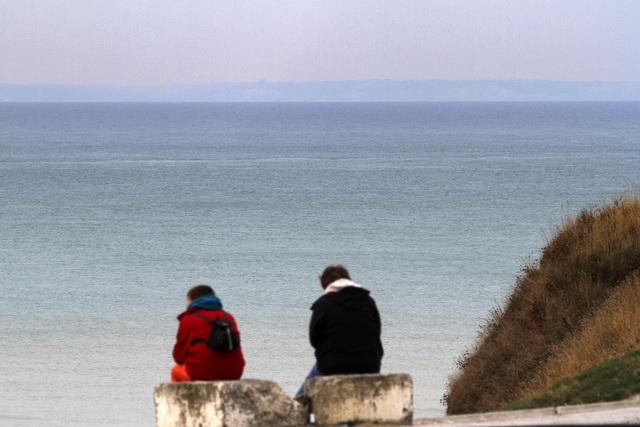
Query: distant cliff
{"x":334,"y":91}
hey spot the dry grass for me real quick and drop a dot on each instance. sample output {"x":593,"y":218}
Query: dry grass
{"x":611,"y":331}
{"x":577,"y":294}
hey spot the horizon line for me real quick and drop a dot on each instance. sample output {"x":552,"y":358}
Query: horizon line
{"x":322,"y":81}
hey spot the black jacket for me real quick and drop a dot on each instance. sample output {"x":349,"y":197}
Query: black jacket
{"x":345,"y":332}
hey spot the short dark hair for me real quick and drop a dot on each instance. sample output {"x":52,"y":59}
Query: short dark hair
{"x":333,"y":273}
{"x":199,"y":291}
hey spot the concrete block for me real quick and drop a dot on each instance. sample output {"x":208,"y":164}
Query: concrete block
{"x":353,"y":399}
{"x":242,"y":403}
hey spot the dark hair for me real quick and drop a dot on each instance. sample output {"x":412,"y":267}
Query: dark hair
{"x":333,"y":273}
{"x":199,"y":291}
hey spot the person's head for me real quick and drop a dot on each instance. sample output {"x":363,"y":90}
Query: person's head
{"x":333,"y":273}
{"x":198,"y":292}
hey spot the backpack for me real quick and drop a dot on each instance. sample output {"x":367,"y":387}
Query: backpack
{"x":221,"y":337}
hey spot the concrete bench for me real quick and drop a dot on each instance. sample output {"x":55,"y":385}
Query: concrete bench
{"x":354,"y":399}
{"x":242,"y":403}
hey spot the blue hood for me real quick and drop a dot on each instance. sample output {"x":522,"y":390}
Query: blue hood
{"x":207,"y":302}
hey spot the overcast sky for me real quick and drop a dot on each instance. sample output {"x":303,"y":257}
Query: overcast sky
{"x":165,"y":42}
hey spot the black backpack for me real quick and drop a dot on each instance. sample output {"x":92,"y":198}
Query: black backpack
{"x":221,"y":337}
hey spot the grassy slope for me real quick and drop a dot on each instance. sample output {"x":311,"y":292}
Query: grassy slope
{"x":575,"y":307}
{"x":610,"y":381}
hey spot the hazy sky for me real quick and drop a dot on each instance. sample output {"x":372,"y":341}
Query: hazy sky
{"x":163,"y":42}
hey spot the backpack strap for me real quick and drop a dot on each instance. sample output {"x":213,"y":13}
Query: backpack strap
{"x":204,"y":317}
{"x":224,"y":317}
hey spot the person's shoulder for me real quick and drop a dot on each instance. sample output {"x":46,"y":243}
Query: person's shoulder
{"x":323,"y":301}
{"x":188,"y":319}
{"x":358,"y":290}
{"x":197,"y":314}
{"x":185,"y":314}
{"x":352,"y":293}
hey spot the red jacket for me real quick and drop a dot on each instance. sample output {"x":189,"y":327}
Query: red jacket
{"x":202,"y":363}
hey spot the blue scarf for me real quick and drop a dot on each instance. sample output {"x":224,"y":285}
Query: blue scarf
{"x":207,"y":302}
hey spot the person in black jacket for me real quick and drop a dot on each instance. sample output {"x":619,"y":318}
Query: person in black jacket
{"x":345,"y":328}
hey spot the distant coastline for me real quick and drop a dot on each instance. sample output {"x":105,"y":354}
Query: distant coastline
{"x":335,"y":91}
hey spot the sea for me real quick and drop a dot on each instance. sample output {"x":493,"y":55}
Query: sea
{"x":110,"y":212}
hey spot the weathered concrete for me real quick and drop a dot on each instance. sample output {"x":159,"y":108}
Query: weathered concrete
{"x":242,"y":403}
{"x":353,"y":399}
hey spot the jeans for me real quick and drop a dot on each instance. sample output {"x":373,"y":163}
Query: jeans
{"x":313,"y":373}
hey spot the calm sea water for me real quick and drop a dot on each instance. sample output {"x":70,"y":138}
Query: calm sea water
{"x":110,"y":212}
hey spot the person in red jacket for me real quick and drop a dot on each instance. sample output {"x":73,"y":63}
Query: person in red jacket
{"x":195,"y":361}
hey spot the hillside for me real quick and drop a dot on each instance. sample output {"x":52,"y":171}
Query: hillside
{"x":578,"y":305}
